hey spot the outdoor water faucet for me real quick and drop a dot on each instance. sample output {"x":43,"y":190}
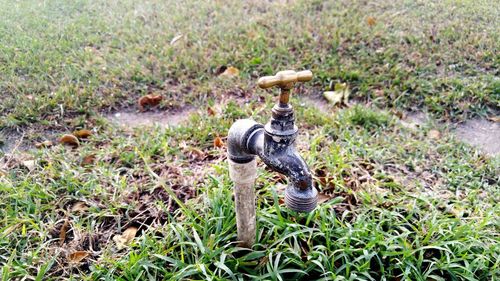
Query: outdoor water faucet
{"x":274,"y":143}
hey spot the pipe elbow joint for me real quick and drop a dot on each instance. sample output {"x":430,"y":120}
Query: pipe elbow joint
{"x":238,"y":139}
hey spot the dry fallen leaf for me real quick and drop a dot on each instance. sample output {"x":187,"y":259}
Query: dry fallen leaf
{"x":62,"y":232}
{"x":82,"y":134}
{"x":69,"y":139}
{"x":156,"y":99}
{"x":398,"y":113}
{"x":231,"y":72}
{"x":218,"y":142}
{"x":210,"y":111}
{"x":176,"y":38}
{"x":434,"y":134}
{"x":252,"y":34}
{"x":281,"y":201}
{"x":197,"y":153}
{"x":130,"y":233}
{"x":150,"y":100}
{"x":88,"y":160}
{"x":371,"y":21}
{"x":125,"y":238}
{"x":333,"y":97}
{"x":77,"y":257}
{"x":30,"y":164}
{"x":340,"y":95}
{"x":79,"y":207}
{"x":280,"y":187}
{"x":379,"y":92}
{"x":344,"y":88}
{"x":46,"y":143}
{"x":144,"y":101}
{"x":495,"y":119}
{"x":322,"y":198}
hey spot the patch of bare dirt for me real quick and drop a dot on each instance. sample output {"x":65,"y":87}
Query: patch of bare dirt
{"x":22,"y":140}
{"x":145,"y":207}
{"x":133,"y":119}
{"x":415,"y":119}
{"x":17,"y":142}
{"x":317,"y":103}
{"x":482,"y":134}
{"x":9,"y":143}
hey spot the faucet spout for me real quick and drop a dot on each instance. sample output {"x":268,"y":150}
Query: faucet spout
{"x":289,"y":163}
{"x":300,"y":195}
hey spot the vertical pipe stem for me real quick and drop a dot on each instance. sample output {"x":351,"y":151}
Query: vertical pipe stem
{"x":243,"y":176}
{"x":284,"y":96}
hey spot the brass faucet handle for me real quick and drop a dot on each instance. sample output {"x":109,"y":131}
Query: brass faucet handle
{"x":285,"y":79}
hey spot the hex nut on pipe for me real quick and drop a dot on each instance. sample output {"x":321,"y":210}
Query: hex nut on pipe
{"x":243,"y":176}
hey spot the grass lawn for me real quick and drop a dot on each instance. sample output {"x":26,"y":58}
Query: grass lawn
{"x":399,"y":202}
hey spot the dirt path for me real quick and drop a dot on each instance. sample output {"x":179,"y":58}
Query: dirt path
{"x":18,"y":142}
{"x":134,"y":119}
{"x":482,"y":134}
